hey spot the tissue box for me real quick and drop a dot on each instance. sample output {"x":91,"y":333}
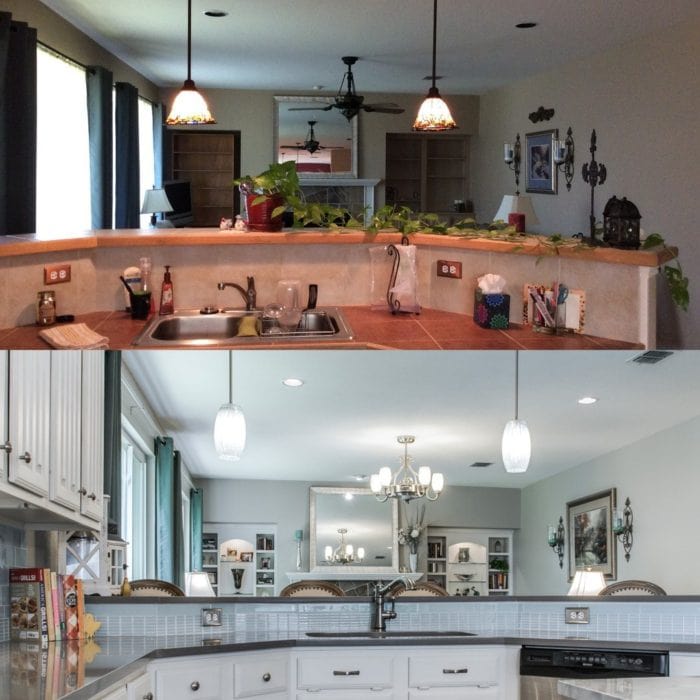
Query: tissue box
{"x":491,"y":310}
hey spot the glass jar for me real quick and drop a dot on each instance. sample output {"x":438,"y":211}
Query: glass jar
{"x":45,"y":308}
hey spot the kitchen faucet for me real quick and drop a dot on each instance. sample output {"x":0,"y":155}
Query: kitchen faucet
{"x":249,"y":295}
{"x":379,"y":599}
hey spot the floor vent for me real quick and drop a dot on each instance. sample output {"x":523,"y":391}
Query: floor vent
{"x":481,"y":464}
{"x":651,"y":357}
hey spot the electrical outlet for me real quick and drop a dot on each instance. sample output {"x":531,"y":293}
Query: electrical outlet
{"x":211,"y":617}
{"x":577,"y":616}
{"x":55,"y":274}
{"x":449,"y":268}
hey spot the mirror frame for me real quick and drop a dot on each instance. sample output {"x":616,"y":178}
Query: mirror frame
{"x":322,"y":101}
{"x":315,"y":566}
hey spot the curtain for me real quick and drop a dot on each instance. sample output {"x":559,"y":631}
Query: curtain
{"x":18,"y":106}
{"x":113,"y":438}
{"x":165,"y":509}
{"x":158,"y":139}
{"x":178,"y":526}
{"x":127,"y":183}
{"x":196,"y":528}
{"x":99,"y":104}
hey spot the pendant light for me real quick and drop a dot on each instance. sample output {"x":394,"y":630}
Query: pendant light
{"x":434,"y":114}
{"x":515,"y":446}
{"x":189,"y":107}
{"x":229,"y":426}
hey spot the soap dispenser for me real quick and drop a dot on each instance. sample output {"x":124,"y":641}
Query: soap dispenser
{"x":167,"y":305}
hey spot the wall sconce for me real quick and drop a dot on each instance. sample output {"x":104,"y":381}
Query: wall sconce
{"x":564,"y":157}
{"x":622,"y":527}
{"x":594,"y":173}
{"x":556,"y":538}
{"x":511,"y":155}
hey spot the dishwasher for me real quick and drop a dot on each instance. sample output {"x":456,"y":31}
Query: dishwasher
{"x":542,"y":666}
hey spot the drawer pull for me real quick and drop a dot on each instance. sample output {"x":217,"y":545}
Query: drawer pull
{"x":148,"y":696}
{"x":7,"y":447}
{"x":92,"y":497}
{"x":82,"y":491}
{"x":266,"y":677}
{"x":26,"y":457}
{"x":194,"y":685}
{"x":455,"y":670}
{"x":346,"y":673}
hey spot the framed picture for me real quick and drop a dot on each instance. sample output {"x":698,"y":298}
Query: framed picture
{"x":463,"y":555}
{"x":591,"y":540}
{"x":540,"y":170}
{"x":246,"y":556}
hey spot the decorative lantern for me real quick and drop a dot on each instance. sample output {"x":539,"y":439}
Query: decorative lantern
{"x":621,"y":224}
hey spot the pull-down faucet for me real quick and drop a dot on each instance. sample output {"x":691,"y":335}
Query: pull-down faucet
{"x":249,"y":295}
{"x":379,"y":600}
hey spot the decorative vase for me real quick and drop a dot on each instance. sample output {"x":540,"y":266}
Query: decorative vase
{"x":260,"y":215}
{"x":413,"y":562}
{"x":238,"y":579}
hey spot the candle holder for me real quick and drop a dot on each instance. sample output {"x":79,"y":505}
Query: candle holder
{"x":594,"y":174}
{"x":564,"y":157}
{"x":556,"y":536}
{"x":622,"y":527}
{"x":512,"y":158}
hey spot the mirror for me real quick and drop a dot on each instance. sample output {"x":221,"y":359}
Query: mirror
{"x":322,"y":143}
{"x":369,"y":524}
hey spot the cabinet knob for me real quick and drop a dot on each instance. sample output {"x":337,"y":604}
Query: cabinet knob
{"x":82,"y":491}
{"x":148,"y":696}
{"x":194,"y":685}
{"x":7,"y":447}
{"x":92,"y":497}
{"x":266,"y":677}
{"x":26,"y":457}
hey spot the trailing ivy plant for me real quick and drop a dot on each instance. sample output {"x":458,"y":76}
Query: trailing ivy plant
{"x":678,"y":283}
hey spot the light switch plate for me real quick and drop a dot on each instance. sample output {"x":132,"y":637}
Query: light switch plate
{"x":211,"y":617}
{"x":577,"y":616}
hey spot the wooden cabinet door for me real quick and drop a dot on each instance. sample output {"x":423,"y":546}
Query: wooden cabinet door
{"x":92,"y":448}
{"x":29,"y":419}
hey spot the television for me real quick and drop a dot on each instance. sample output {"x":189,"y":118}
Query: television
{"x":179,"y":193}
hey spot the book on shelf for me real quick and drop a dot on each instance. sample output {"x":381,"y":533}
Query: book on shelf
{"x":28,"y":606}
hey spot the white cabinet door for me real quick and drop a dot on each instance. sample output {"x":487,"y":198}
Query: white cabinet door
{"x":474,"y":693}
{"x":140,"y":688}
{"x":261,"y":675}
{"x":345,"y":670}
{"x":464,"y":668}
{"x":194,"y":679}
{"x":92,"y":451}
{"x":682,"y":664}
{"x":5,"y":444}
{"x":117,"y":694}
{"x":29,"y":419}
{"x":64,"y":480}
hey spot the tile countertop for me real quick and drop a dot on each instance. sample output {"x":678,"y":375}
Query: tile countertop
{"x":631,"y":689}
{"x":80,"y":669}
{"x":429,"y":330}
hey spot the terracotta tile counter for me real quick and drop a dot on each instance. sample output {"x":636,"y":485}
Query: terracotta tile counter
{"x":429,"y":330}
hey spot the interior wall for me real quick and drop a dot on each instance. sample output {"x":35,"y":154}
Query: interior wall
{"x":55,"y":32}
{"x":660,"y":476}
{"x":643,"y":101}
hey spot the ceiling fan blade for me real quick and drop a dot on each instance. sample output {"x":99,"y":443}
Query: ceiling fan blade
{"x":297,"y":147}
{"x":311,"y":109}
{"x":385,"y":108}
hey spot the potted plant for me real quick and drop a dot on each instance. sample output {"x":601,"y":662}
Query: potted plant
{"x":268,"y":194}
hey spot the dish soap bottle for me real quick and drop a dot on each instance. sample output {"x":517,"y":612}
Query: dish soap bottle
{"x":166,"y":294}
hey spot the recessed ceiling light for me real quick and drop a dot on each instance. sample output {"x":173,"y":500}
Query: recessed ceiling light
{"x":293,"y":382}
{"x":318,"y":87}
{"x":215,"y":13}
{"x":348,"y":496}
{"x":525,"y":25}
{"x":359,"y":477}
{"x":587,"y":400}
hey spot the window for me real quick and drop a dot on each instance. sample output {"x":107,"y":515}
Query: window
{"x":146,"y":152}
{"x":63,"y":158}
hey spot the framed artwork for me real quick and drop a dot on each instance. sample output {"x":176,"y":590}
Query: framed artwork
{"x":246,"y":556}
{"x":540,"y":170}
{"x":591,"y":540}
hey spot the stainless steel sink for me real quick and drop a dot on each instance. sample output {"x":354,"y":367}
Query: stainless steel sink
{"x":388,"y":634}
{"x":196,"y":328}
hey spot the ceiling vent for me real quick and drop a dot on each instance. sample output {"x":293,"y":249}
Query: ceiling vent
{"x":481,"y":464}
{"x":651,"y":357}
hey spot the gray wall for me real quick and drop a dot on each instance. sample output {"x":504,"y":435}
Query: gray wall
{"x":286,"y":503}
{"x":660,"y":476}
{"x":643,"y":101}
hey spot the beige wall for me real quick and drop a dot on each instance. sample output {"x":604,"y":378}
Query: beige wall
{"x":55,"y":32}
{"x":643,"y":100}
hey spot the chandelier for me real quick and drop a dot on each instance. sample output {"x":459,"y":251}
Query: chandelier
{"x":344,"y":553}
{"x":406,"y":483}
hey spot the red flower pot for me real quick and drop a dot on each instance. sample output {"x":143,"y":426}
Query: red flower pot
{"x":260,"y":214}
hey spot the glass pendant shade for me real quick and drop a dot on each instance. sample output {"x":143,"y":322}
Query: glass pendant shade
{"x":189,"y":107}
{"x":515,"y":447}
{"x":229,"y":432}
{"x":434,"y":114}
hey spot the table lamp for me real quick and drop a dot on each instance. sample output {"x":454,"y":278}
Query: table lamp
{"x":155,"y":201}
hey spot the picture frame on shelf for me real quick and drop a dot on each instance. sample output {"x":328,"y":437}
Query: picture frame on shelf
{"x":463,"y":555}
{"x":540,"y":170}
{"x":591,"y":540}
{"x":246,"y":556}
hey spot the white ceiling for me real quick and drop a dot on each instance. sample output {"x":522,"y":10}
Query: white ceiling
{"x":345,"y":419}
{"x":282,"y":45}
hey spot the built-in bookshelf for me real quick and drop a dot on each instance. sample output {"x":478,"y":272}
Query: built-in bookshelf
{"x":210,"y":558}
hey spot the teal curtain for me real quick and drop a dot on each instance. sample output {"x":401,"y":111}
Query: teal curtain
{"x":113,"y":438}
{"x":196,"y":528}
{"x":127,"y":187}
{"x":99,"y":103}
{"x":178,"y":525}
{"x":165,"y":509}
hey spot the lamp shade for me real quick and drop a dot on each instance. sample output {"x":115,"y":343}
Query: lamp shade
{"x":197,"y":584}
{"x":229,"y":432}
{"x":155,"y":201}
{"x":434,"y":114}
{"x":517,"y":204}
{"x":516,"y":446}
{"x":189,"y":107}
{"x":587,"y":582}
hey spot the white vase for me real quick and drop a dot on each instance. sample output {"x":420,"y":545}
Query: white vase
{"x":413,"y":562}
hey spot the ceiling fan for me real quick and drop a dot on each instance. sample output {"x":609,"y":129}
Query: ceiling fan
{"x":349,"y":102}
{"x":310,"y":143}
